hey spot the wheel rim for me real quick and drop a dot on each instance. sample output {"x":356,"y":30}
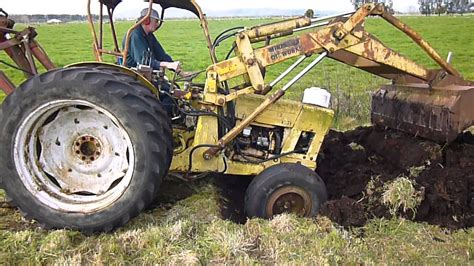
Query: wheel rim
{"x":74,"y":156}
{"x":289,"y":199}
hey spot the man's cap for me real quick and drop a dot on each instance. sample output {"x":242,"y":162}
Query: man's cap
{"x":154,"y":14}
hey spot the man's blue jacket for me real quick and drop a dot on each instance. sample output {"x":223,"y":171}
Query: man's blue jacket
{"x":140,"y":44}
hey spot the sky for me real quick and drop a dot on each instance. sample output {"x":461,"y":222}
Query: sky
{"x":133,"y":6}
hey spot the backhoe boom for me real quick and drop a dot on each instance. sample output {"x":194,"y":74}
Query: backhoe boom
{"x":345,"y":39}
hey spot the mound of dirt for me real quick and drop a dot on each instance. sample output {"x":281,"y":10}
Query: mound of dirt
{"x":356,"y":164}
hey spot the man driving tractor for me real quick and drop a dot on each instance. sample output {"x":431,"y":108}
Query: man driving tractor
{"x":145,"y":48}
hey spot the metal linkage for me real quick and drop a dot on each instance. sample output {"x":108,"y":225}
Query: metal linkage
{"x":331,"y":17}
{"x":233,"y":133}
{"x":284,"y":74}
{"x":312,"y":26}
{"x":304,"y":71}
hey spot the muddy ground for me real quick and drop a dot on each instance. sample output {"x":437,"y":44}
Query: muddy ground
{"x":445,"y":173}
{"x":349,"y":161}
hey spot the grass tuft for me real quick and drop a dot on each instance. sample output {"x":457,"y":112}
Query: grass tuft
{"x":401,"y":195}
{"x":283,"y":223}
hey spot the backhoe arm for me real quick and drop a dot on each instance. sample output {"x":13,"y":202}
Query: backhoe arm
{"x":345,"y":40}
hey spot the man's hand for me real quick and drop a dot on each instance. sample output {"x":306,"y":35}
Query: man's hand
{"x":186,"y":74}
{"x":176,"y":66}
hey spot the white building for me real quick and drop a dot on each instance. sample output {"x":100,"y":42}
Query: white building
{"x":54,"y":21}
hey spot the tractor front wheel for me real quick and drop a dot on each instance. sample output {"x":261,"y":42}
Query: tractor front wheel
{"x":285,"y":188}
{"x":83,"y":149}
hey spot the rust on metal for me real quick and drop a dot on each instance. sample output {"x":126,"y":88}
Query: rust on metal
{"x":14,"y":49}
{"x":95,"y":42}
{"x":5,"y":83}
{"x":421,"y":42}
{"x":270,"y":37}
{"x":103,"y":51}
{"x":5,"y":22}
{"x":279,"y":52}
{"x":374,"y":57}
{"x":438,"y":114}
{"x":22,"y":48}
{"x":205,"y":29}
{"x":40,"y":54}
{"x":281,"y":27}
{"x":29,"y":55}
{"x":289,"y":199}
{"x":358,"y":17}
{"x":247,"y":55}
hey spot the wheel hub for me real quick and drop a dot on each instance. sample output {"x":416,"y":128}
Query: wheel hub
{"x":289,"y":199}
{"x":74,"y":155}
{"x":87,"y":148}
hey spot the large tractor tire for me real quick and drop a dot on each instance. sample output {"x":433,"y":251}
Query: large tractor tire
{"x":285,"y":188}
{"x":83,"y":149}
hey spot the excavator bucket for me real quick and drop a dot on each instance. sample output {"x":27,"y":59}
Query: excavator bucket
{"x":436,"y":104}
{"x":438,"y":113}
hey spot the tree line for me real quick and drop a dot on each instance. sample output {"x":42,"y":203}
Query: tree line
{"x":388,"y":3}
{"x":428,"y":7}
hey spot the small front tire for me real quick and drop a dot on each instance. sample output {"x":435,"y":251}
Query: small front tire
{"x":285,"y":188}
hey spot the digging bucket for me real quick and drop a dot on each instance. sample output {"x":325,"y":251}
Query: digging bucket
{"x":437,"y":113}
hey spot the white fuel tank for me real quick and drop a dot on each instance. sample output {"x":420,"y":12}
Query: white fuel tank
{"x":317,"y":96}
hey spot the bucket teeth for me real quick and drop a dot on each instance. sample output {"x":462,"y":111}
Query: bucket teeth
{"x":435,"y":114}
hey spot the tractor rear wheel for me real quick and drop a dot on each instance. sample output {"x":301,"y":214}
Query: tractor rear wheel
{"x":83,"y":149}
{"x":285,"y":188}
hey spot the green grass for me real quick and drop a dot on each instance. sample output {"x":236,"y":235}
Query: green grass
{"x":192,"y":231}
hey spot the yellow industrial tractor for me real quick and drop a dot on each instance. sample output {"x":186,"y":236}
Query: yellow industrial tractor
{"x":87,"y":146}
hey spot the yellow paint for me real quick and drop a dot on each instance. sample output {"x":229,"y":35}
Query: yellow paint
{"x":250,"y":61}
{"x":206,"y":133}
{"x":211,"y":82}
{"x":235,"y":94}
{"x":229,"y":69}
{"x":380,"y":53}
{"x":282,"y":113}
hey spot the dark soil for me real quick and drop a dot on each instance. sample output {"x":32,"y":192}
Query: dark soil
{"x":349,"y":160}
{"x":232,"y":196}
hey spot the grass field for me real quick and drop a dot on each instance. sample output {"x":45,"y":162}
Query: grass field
{"x":192,"y":232}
